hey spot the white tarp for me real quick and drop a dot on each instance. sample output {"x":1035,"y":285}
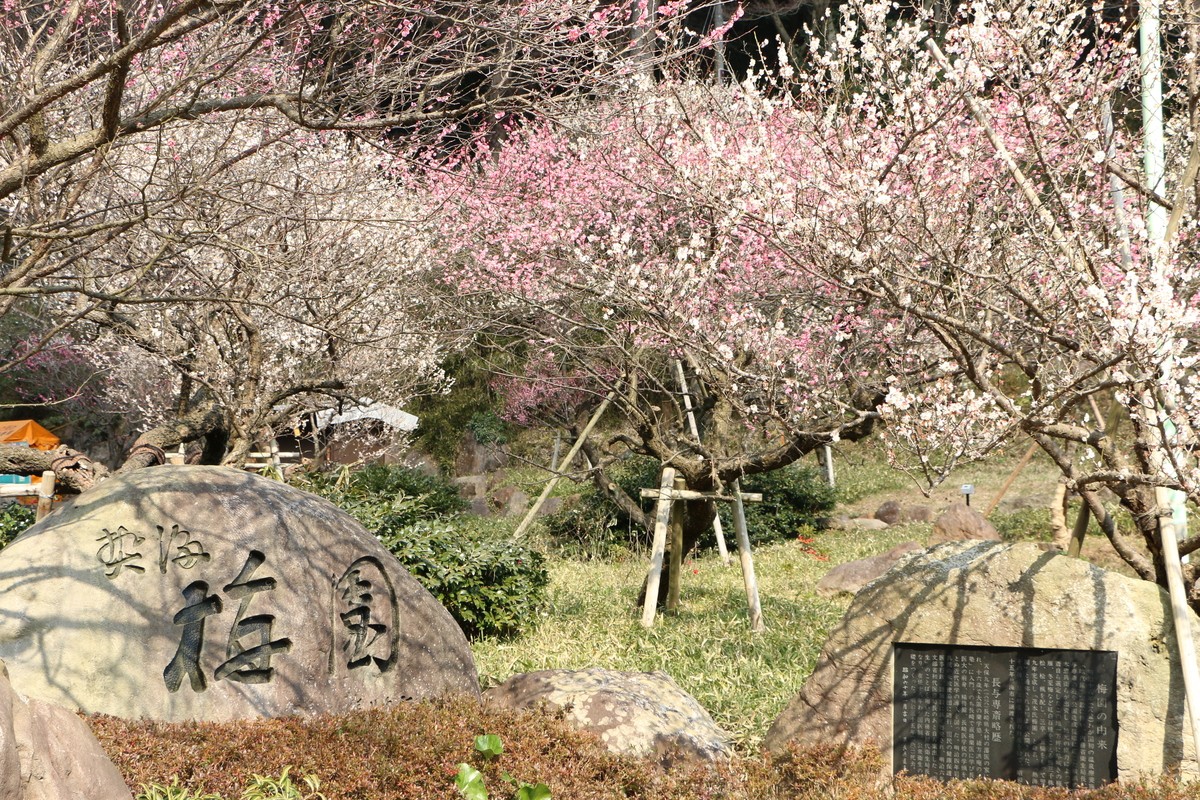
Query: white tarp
{"x":390,"y":415}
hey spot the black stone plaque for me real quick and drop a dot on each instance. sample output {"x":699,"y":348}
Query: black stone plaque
{"x":1040,"y":717}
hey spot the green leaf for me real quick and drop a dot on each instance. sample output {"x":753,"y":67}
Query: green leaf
{"x":530,"y":791}
{"x":489,"y":744}
{"x":469,"y":782}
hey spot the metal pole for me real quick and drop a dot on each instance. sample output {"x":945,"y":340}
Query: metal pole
{"x":1169,"y":524}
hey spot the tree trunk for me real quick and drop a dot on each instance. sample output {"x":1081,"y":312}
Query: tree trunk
{"x":150,"y":448}
{"x":72,"y":469}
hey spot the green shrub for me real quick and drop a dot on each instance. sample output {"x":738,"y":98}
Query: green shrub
{"x":490,"y":584}
{"x":14,"y":519}
{"x":795,"y":498}
{"x":382,"y":494}
{"x":487,"y":428}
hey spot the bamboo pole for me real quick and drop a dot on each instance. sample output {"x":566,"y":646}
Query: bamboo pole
{"x":550,"y":484}
{"x":743,"y":541}
{"x":45,"y":494}
{"x":675,"y":573}
{"x":662,"y":519}
{"x":691,"y":417}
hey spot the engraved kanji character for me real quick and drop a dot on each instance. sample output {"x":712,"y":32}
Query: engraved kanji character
{"x":373,"y":629}
{"x":250,"y":664}
{"x":190,"y":552}
{"x":117,"y":551}
{"x":200,"y":604}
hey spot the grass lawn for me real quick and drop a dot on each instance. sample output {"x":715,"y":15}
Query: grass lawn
{"x":745,"y":679}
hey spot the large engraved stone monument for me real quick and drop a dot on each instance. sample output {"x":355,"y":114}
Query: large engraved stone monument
{"x":204,"y":593}
{"x":1004,"y":661}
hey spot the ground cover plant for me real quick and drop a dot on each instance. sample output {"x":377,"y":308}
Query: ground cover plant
{"x":413,"y":752}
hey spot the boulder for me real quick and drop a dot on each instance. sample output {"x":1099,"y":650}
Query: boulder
{"x":862,"y":524}
{"x":889,"y":512}
{"x":49,"y":753}
{"x":852,"y":576}
{"x":916,"y":514}
{"x":205,"y":593}
{"x":517,"y":504}
{"x":997,"y":595}
{"x":471,"y":486}
{"x":475,"y":458}
{"x":643,"y":714}
{"x":960,"y":522}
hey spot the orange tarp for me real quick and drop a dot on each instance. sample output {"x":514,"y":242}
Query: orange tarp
{"x":26,"y":430}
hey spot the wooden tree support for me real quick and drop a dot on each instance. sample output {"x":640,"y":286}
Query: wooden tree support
{"x":550,"y":484}
{"x":668,"y":518}
{"x":691,"y":418}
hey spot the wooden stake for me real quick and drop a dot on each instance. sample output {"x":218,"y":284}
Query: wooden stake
{"x":1016,"y":471}
{"x":662,"y":519}
{"x":549,"y":487}
{"x":45,"y":494}
{"x":743,"y":541}
{"x":691,"y":417}
{"x":674,"y":575}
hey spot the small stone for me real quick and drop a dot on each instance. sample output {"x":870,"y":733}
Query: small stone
{"x":916,"y":514}
{"x":865,"y":524}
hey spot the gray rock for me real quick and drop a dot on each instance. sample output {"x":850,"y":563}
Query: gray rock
{"x":850,"y":577}
{"x":475,"y":458}
{"x":991,"y":594}
{"x":889,"y":512}
{"x":471,"y":486}
{"x":552,"y":506}
{"x":864,"y":524}
{"x":421,"y":462}
{"x":517,"y":505}
{"x":960,"y":522}
{"x":643,"y":714}
{"x":916,"y":514}
{"x":49,"y":753}
{"x":179,"y":593}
